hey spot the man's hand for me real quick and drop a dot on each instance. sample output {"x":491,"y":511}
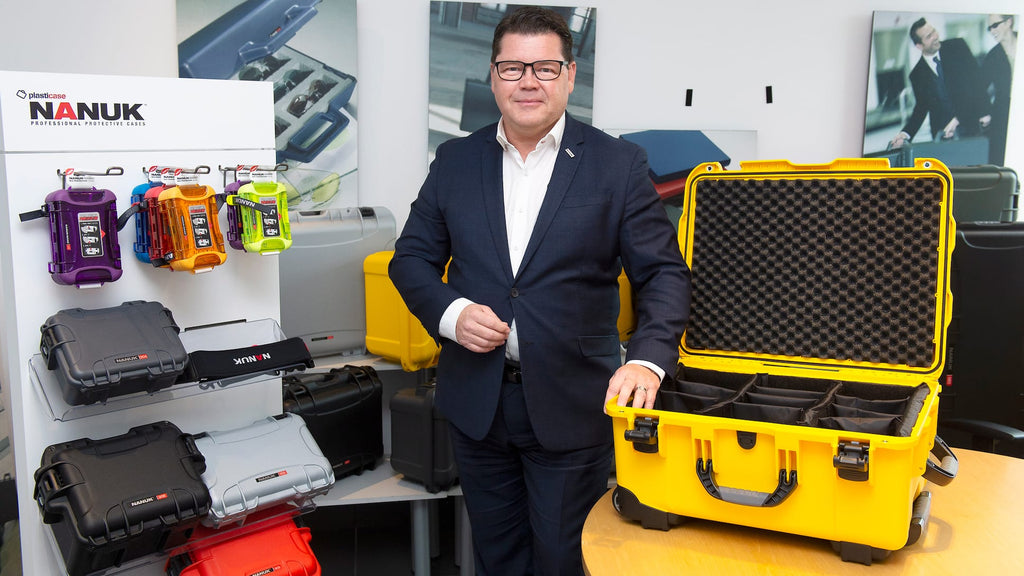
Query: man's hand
{"x":479,"y":329}
{"x":636,"y":380}
{"x":898,"y":141}
{"x":985,"y":120}
{"x":950,"y":130}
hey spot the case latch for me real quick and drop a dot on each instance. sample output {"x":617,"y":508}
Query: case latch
{"x":852,"y":461}
{"x":644,"y":434}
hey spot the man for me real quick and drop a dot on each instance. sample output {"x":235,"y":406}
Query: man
{"x":947,"y":88}
{"x":536,"y":213}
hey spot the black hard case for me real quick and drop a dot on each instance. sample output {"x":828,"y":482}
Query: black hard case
{"x":421,"y":446}
{"x":986,"y":333}
{"x":116,"y":499}
{"x":343,"y":410}
{"x":113,"y":351}
{"x":984,"y":193}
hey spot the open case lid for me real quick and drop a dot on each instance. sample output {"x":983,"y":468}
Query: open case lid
{"x":249,"y":31}
{"x":808,"y":270}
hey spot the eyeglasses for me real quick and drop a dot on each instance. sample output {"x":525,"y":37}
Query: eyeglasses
{"x":995,"y":25}
{"x":513,"y":70}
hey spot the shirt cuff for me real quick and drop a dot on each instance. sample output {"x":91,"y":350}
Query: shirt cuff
{"x":652,"y":366}
{"x":450,"y":318}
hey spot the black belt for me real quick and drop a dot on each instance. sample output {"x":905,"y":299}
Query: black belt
{"x":513,"y":372}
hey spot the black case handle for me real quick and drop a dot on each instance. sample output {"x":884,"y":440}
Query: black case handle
{"x":945,"y":471}
{"x":787,"y":483}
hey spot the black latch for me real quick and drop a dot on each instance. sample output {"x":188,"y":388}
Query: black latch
{"x":644,"y":435}
{"x":852,"y":461}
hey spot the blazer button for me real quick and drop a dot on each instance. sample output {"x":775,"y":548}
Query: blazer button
{"x":515,"y":293}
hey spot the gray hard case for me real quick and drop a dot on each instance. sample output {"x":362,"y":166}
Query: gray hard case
{"x":322,"y":282}
{"x":274,"y":461}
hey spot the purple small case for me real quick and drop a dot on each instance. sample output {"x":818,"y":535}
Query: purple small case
{"x":234,"y":217}
{"x":83,"y":237}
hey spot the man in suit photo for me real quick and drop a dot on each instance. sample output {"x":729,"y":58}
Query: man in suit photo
{"x":533,"y":218}
{"x":947,"y":86}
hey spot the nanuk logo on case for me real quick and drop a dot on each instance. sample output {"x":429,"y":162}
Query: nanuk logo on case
{"x":267,"y":571}
{"x":251,"y":359}
{"x":142,"y":501}
{"x":133,"y":358}
{"x":272,"y":476}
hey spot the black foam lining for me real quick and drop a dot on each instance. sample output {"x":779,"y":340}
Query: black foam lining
{"x":817,"y":268}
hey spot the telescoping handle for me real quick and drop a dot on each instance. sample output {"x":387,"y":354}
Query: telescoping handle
{"x":787,"y":483}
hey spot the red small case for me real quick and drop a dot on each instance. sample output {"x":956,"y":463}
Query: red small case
{"x":279,"y":548}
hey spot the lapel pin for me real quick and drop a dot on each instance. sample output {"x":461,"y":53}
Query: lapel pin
{"x":569,"y":152}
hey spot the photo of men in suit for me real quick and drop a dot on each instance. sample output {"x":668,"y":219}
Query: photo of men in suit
{"x":948,"y":88}
{"x":937,"y":88}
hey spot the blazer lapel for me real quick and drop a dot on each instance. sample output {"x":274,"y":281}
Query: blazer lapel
{"x":494,"y":202}
{"x":566,"y":162}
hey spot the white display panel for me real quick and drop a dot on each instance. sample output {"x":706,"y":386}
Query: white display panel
{"x":186,"y":123}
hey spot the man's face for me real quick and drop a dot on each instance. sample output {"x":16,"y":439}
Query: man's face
{"x":929,"y":39}
{"x":530,"y":107}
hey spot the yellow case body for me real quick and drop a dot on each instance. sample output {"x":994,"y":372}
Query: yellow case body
{"x":875,"y":510}
{"x":392,"y":331}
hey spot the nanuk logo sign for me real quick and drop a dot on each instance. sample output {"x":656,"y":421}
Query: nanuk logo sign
{"x":54,"y":109}
{"x":84,"y":111}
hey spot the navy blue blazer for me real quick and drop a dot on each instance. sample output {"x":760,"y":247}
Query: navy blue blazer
{"x":600,"y":214}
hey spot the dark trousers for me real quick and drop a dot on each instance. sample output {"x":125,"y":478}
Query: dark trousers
{"x":527,"y":505}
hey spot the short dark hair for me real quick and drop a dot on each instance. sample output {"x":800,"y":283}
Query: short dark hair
{"x":530,"y":21}
{"x":914,"y":28}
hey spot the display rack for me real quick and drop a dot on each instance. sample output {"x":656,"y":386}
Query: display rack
{"x":47,"y":128}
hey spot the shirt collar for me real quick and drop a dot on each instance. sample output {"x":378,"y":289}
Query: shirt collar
{"x":552,"y":138}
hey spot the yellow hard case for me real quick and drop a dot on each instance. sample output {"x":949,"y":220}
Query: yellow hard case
{"x":828,"y":283}
{"x":392,"y":332}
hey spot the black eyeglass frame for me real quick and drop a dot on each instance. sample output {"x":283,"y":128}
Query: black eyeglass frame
{"x":530,"y":65}
{"x":995,"y":25}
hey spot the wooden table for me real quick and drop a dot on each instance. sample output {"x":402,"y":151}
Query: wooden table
{"x":976,"y":528}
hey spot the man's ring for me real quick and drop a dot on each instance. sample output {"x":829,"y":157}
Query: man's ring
{"x":641,"y":388}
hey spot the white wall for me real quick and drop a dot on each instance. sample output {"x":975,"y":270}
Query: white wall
{"x":814,"y":54}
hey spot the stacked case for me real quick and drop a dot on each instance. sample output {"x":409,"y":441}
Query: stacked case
{"x":272,"y":462}
{"x":114,"y":500}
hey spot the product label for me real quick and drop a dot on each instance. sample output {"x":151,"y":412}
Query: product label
{"x":90,"y":234}
{"x":200,"y":226}
{"x":148,"y":500}
{"x":272,"y":476}
{"x":271,"y":225}
{"x":258,"y":174}
{"x":131,"y":358}
{"x":267,"y":571}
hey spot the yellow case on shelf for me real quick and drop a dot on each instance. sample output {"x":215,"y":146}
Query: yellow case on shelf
{"x":806,"y":396}
{"x":392,"y":331}
{"x":191,"y":218}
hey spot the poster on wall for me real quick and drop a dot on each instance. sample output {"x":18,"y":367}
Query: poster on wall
{"x":460,"y":99}
{"x":308,"y":50}
{"x":939,"y":87}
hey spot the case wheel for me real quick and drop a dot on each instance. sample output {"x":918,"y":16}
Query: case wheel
{"x":629,"y":506}
{"x":860,"y":553}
